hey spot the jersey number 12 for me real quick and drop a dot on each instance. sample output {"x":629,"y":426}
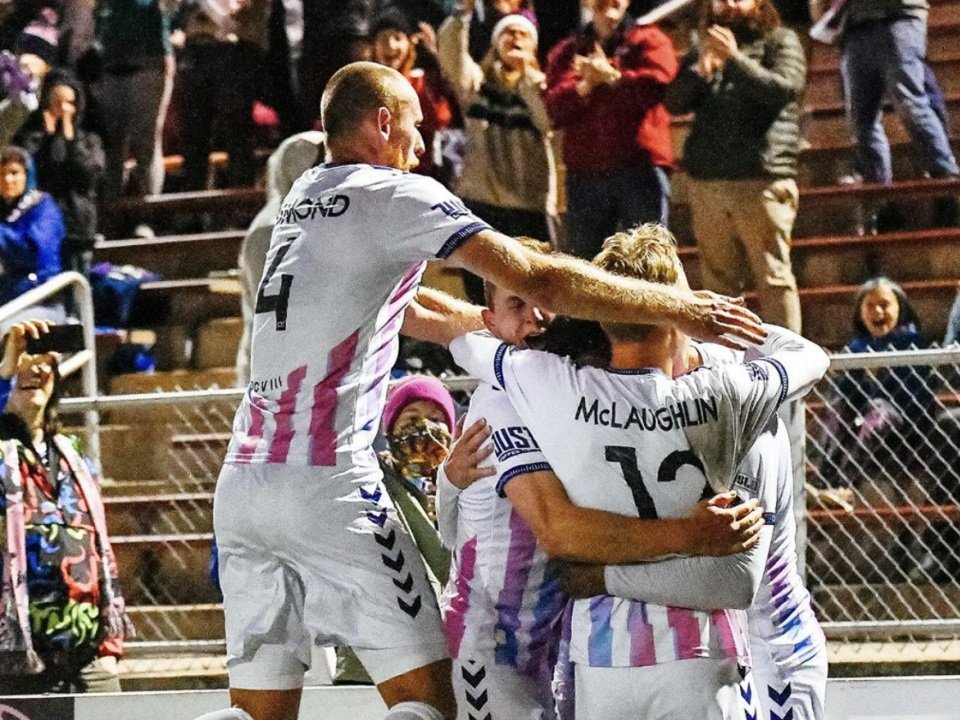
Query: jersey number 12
{"x":626,"y":458}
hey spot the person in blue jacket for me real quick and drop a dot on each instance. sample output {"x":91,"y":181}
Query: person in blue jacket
{"x":31,"y":228}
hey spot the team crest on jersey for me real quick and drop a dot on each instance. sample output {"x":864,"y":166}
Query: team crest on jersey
{"x":515,"y":440}
{"x":327,"y":205}
{"x":758,"y":372}
{"x":750,"y":484}
{"x":452,"y":209}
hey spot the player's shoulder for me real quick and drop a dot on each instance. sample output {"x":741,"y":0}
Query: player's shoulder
{"x":491,"y":403}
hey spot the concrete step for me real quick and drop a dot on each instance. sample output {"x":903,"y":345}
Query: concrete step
{"x":178,"y":622}
{"x":162,"y":514}
{"x":165,"y":569}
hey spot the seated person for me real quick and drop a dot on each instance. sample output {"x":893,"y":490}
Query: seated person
{"x":876,"y":416}
{"x":31,"y":228}
{"x":65,"y":630}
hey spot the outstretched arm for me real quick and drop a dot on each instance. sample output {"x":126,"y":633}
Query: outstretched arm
{"x":437,"y":317}
{"x":573,"y":287}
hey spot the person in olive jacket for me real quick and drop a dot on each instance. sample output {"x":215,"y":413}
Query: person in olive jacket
{"x":743,"y":81}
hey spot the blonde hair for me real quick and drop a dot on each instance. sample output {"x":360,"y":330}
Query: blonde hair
{"x":647,"y":252}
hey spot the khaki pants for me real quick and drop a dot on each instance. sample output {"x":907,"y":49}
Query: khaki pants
{"x":743,"y":230}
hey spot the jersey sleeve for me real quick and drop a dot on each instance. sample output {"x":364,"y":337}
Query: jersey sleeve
{"x":427,"y":219}
{"x":481,"y":355}
{"x":746,"y":396}
{"x":515,"y":448}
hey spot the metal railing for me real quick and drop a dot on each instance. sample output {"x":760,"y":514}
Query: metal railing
{"x":883,"y":563}
{"x":86,"y":359}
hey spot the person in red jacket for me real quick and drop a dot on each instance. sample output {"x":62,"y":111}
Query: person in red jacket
{"x":605,"y":88}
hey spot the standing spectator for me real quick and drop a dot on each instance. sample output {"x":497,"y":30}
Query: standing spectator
{"x":883,"y":52}
{"x":31,"y":229}
{"x":481,"y":16}
{"x":334,"y":34}
{"x":226,"y":44}
{"x":36,"y":55}
{"x":65,"y":630}
{"x":744,"y":80}
{"x":397,"y":43}
{"x":605,"y":90}
{"x":134,"y":90}
{"x":509,"y":175}
{"x":69,"y":162}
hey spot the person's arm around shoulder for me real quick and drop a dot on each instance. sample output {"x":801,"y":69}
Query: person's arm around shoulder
{"x":569,"y":286}
{"x":438,"y":317}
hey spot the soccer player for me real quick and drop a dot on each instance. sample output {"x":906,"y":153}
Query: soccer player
{"x":310,"y":548}
{"x":787,"y":645}
{"x":631,"y":437}
{"x":502,"y":607}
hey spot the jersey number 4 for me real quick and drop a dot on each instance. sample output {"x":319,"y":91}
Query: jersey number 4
{"x":626,"y":458}
{"x":276,"y":303}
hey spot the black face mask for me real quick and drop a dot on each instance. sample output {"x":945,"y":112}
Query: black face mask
{"x":419,"y":447}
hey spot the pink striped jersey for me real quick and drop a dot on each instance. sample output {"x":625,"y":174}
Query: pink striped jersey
{"x":782,"y":623}
{"x":501,"y":599}
{"x":348,"y":250}
{"x":637,"y":442}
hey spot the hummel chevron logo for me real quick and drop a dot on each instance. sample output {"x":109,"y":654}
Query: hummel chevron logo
{"x":387,"y":541}
{"x":395,"y":565}
{"x":474,"y":679}
{"x":748,"y":716}
{"x":378,"y":518}
{"x":372,"y":497}
{"x":405,"y":586}
{"x":742,"y":669}
{"x":485,"y":717}
{"x":477,"y":702}
{"x":779,"y":698}
{"x":746,"y":692}
{"x":411,"y":609}
{"x":787,"y":716}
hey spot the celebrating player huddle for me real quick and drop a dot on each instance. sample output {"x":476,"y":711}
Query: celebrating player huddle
{"x":610,"y":465}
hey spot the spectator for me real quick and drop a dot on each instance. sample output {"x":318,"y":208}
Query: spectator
{"x":134,"y":90}
{"x":882,"y":51}
{"x":70,"y":164}
{"x":65,"y":630}
{"x":334,"y":34}
{"x":226,"y":45}
{"x":509,"y":175}
{"x":604,"y":90}
{"x":744,"y":80}
{"x":876,"y":416}
{"x":398,"y":44}
{"x":290,"y":160}
{"x":31,"y":231}
{"x":481,"y":16}
{"x":36,"y":56}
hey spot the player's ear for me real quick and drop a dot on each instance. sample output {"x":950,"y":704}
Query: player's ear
{"x":488,"y":321}
{"x":384,"y":118}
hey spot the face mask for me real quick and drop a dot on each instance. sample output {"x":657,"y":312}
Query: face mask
{"x":419,"y":447}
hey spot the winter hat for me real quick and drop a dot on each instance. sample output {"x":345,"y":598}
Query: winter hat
{"x":40,"y":37}
{"x":392,"y":19}
{"x":413,"y":388}
{"x":509,"y":20}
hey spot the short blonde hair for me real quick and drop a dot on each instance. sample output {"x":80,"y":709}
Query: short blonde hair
{"x":647,"y":252}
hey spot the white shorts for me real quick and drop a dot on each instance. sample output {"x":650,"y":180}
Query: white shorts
{"x":701,"y":688}
{"x":485,"y":689}
{"x":800,"y":690}
{"x":306,"y":559}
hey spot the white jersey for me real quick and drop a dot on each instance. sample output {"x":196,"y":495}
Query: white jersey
{"x":501,"y":600}
{"x":639,"y":443}
{"x":345,"y":260}
{"x":783,"y":625}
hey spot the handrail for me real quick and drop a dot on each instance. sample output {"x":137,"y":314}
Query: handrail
{"x":86,"y":359}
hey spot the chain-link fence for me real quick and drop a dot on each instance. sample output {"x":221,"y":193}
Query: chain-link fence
{"x":883,"y":479}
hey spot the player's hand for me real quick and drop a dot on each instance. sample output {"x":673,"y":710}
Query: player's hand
{"x":15,"y":344}
{"x":716,"y":318}
{"x":719,"y":528}
{"x":462,"y":465}
{"x":582,"y":581}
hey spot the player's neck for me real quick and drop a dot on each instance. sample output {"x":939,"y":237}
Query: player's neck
{"x":641,"y":356}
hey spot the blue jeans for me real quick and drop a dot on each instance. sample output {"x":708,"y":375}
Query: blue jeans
{"x":889,"y":57}
{"x":600,"y":205}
